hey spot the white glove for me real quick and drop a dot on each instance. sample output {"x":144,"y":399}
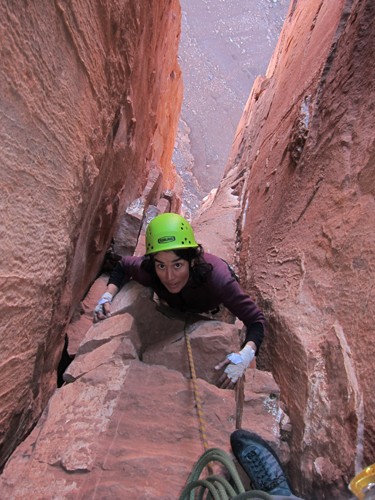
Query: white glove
{"x":106,"y":297}
{"x":239,"y":361}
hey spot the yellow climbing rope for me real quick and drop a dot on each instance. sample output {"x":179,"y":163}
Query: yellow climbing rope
{"x":218,"y":488}
{"x":197,"y":398}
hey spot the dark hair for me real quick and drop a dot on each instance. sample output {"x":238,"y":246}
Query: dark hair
{"x":199,"y":270}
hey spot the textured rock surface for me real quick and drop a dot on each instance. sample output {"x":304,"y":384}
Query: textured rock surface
{"x":90,"y":97}
{"x":211,"y":341}
{"x":303,"y":166}
{"x":80,"y":105}
{"x":124,"y":428}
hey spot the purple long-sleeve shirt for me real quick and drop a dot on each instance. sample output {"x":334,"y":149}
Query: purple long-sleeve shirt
{"x":220,"y":288}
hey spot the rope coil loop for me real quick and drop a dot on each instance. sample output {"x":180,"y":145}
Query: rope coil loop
{"x":218,"y":488}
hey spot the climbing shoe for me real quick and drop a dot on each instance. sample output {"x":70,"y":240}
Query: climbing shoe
{"x":260,"y":463}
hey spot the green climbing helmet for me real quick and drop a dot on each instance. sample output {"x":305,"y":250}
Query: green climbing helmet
{"x":169,"y":232}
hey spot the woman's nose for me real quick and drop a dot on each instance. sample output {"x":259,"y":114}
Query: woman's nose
{"x":169,"y":274}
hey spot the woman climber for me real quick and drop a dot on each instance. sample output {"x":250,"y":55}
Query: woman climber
{"x":188,"y":279}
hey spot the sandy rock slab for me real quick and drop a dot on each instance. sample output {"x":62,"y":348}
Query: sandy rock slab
{"x":210,"y":342}
{"x":124,"y":430}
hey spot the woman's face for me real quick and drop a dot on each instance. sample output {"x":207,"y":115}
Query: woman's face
{"x":172,"y":270}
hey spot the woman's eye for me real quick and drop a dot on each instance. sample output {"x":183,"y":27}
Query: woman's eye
{"x":178,"y":265}
{"x":161,"y":266}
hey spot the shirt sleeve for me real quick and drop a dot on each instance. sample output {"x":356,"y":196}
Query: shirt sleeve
{"x":239,"y":303}
{"x":255,"y":333}
{"x":118,"y":275}
{"x":129,"y":268}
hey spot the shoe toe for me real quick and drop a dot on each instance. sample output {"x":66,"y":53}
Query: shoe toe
{"x":260,"y":462}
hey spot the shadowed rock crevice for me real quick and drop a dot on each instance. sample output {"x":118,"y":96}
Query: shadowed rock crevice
{"x":65,"y":361}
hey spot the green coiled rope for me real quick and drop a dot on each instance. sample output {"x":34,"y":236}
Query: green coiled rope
{"x":216,"y":487}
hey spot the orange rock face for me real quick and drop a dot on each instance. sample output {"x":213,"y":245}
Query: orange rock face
{"x":90,"y":98}
{"x":303,"y":166}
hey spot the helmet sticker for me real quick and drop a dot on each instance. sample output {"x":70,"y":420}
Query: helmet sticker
{"x":166,"y":239}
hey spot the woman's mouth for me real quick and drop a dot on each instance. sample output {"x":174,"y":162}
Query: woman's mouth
{"x":172,"y":286}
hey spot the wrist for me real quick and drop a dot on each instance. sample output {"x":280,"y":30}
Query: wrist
{"x":112,"y":289}
{"x":248,"y":353}
{"x":252,"y":345}
{"x":106,"y":297}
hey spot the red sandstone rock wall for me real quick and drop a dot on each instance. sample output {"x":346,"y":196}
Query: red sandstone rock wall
{"x":90,"y":97}
{"x":122,"y":428}
{"x":303,"y":166}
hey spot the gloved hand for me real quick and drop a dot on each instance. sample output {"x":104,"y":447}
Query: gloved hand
{"x":236,"y":364}
{"x":102,"y":309}
{"x":239,"y":362}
